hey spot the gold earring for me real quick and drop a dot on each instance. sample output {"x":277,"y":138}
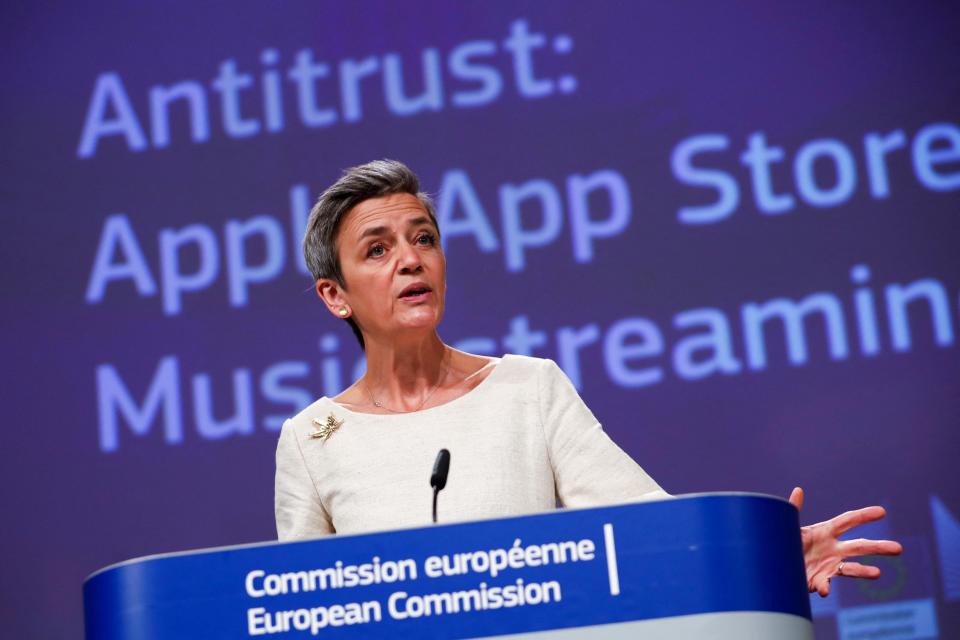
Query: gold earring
{"x":344,"y":312}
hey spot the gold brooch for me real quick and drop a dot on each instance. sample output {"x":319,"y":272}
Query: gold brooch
{"x":325,"y":428}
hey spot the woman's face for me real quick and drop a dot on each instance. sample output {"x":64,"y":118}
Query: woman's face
{"x":393,"y":266}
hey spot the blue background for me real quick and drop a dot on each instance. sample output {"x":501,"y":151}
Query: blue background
{"x":853,"y":430}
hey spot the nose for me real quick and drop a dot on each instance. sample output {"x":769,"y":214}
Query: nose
{"x":408,"y":259}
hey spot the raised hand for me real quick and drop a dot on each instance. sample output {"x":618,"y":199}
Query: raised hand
{"x":825,"y":555}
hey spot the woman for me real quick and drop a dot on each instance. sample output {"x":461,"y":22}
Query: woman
{"x":522,"y":438}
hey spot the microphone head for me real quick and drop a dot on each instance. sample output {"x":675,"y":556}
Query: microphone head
{"x":438,"y":479}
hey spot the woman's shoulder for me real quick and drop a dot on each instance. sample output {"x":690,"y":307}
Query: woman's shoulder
{"x":521,"y":369}
{"x":531,"y":364}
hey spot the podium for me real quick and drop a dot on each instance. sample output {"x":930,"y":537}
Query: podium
{"x":719,"y":565}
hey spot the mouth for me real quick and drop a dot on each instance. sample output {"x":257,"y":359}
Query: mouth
{"x":415,"y":291}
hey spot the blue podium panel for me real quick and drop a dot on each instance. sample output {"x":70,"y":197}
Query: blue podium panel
{"x":730,"y":565}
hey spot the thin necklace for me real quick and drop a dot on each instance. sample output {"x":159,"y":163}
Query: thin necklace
{"x":380,"y":405}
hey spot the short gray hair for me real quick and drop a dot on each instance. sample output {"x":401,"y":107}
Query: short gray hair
{"x":371,"y":180}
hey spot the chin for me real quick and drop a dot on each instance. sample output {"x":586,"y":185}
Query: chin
{"x":423,"y":321}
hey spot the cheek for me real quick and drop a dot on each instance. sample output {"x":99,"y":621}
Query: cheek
{"x":442,"y":267}
{"x":370,"y":288}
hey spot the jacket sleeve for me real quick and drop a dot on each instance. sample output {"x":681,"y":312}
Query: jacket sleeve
{"x":589,"y":468}
{"x":297,"y":505}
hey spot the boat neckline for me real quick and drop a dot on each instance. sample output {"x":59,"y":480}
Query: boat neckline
{"x":497,"y":365}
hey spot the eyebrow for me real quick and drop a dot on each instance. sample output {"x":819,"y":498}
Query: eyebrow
{"x":373,"y":231}
{"x":380,"y":230}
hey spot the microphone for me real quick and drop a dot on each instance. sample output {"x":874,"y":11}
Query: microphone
{"x":438,"y":479}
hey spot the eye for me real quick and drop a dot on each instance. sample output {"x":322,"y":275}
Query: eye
{"x":376,"y":250}
{"x":426,"y":239}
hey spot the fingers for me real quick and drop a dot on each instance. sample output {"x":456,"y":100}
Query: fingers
{"x":850,"y":519}
{"x":821,"y":583}
{"x":821,"y":586}
{"x":796,"y":498}
{"x":857,"y":570}
{"x":864,"y":547}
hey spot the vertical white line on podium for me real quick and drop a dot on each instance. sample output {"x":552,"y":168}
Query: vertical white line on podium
{"x":611,"y":560}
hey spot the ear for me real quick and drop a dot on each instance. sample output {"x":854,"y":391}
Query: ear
{"x":332,"y":295}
